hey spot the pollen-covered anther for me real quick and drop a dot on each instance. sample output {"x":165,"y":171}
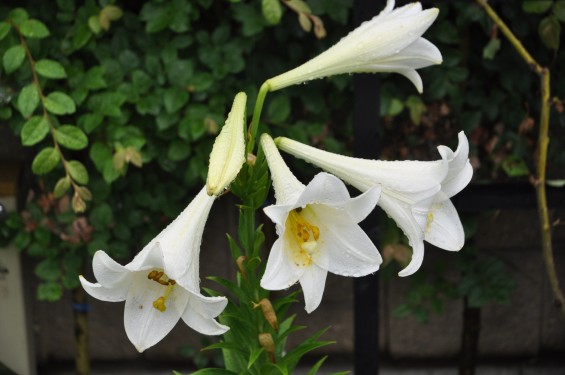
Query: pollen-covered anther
{"x":157,"y":276}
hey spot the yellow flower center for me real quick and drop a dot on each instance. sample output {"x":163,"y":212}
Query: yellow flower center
{"x":304,"y":237}
{"x":158,"y":276}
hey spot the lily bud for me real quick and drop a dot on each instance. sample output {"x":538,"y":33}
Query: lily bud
{"x":266,"y":341}
{"x":390,"y":42}
{"x":228,"y":152}
{"x":268,"y":312}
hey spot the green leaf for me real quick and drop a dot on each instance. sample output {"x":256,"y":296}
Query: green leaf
{"x":558,"y":10}
{"x":279,"y":108}
{"x":59,"y":103}
{"x":81,"y":36}
{"x":491,"y":49}
{"x":515,"y":166}
{"x":34,"y":130}
{"x":4,"y":29}
{"x":28,"y":100}
{"x":174,"y":99}
{"x":549,"y":31}
{"x":5,"y":113}
{"x":48,"y":269}
{"x":213,"y":371}
{"x":49,"y":291}
{"x":34,"y":29}
{"x":314,"y":370}
{"x":101,"y":216}
{"x":13,"y":58}
{"x":536,"y":6}
{"x":94,"y":78}
{"x":178,"y":150}
{"x":416,"y":108}
{"x":18,"y":15}
{"x":556,"y":183}
{"x":90,"y":121}
{"x":45,"y":161}
{"x":50,"y":69}
{"x":396,"y":106}
{"x":78,"y":171}
{"x":255,"y":353}
{"x":61,"y":187}
{"x":71,"y":137}
{"x":272,"y":11}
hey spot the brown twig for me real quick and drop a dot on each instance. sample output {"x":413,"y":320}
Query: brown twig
{"x":543,"y":142}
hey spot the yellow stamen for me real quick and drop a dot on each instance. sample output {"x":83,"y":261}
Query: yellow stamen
{"x":156,"y":276}
{"x":306,"y":236}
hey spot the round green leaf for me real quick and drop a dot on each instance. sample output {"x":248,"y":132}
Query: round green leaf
{"x":549,"y":31}
{"x":28,"y":100}
{"x":34,"y":29}
{"x":71,"y":137}
{"x":49,"y":291}
{"x":536,"y":6}
{"x":18,"y":15}
{"x":178,"y":150}
{"x":50,"y":69}
{"x":78,"y":171}
{"x":13,"y":58}
{"x":272,"y":11}
{"x":59,"y":103}
{"x":34,"y":130}
{"x":4,"y":29}
{"x":61,"y":187}
{"x":45,"y":161}
{"x":558,"y":10}
{"x":48,"y":269}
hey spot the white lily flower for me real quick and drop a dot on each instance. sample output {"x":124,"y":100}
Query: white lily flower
{"x":318,"y":231}
{"x":390,"y":42}
{"x":415,"y":194}
{"x":161,"y":284}
{"x":228,"y":152}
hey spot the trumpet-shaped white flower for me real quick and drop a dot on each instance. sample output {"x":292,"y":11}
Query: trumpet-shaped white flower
{"x":228,"y":152}
{"x":318,"y":231}
{"x":415,"y":194}
{"x":390,"y":42}
{"x":161,"y":284}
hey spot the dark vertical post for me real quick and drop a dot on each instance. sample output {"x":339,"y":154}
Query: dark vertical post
{"x":366,"y":145}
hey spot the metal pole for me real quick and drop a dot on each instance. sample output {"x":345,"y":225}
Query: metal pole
{"x":366,"y":145}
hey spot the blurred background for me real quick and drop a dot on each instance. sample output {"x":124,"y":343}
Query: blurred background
{"x":151,"y":83}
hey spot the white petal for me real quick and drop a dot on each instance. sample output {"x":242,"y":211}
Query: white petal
{"x":444,"y":228}
{"x":108,"y":272}
{"x":402,"y":215}
{"x":406,"y":177}
{"x":414,"y":77}
{"x":149,"y":257}
{"x":460,"y":169}
{"x":362,"y":205}
{"x":313,"y":282}
{"x":145,"y":326}
{"x":228,"y":152}
{"x":324,"y":189}
{"x":180,"y":241}
{"x":117,"y":293}
{"x":286,"y":185}
{"x":279,"y":273}
{"x":345,"y":249}
{"x":201,"y":311}
{"x":278,"y":213}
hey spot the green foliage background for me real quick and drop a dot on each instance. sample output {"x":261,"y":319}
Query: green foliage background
{"x":149,"y":83}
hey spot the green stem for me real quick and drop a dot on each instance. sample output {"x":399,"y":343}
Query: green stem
{"x":252,"y":132}
{"x":543,"y":142}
